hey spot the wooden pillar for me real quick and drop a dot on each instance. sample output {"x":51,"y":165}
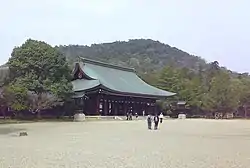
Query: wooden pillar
{"x":140,"y":107}
{"x":83,"y":104}
{"x":147,"y":107}
{"x":87,"y":106}
{"x":129,"y":106}
{"x":153,"y":108}
{"x":90,"y":105}
{"x":133,"y":107}
{"x":125,"y":106}
{"x":108,"y":104}
{"x":112,"y":106}
{"x":105,"y":106}
{"x":115,"y":107}
{"x":101,"y":106}
{"x":120,"y":108}
{"x":97,"y":111}
{"x":144,"y":107}
{"x":136,"y":107}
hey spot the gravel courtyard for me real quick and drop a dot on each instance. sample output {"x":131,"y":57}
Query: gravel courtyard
{"x":127,"y":144}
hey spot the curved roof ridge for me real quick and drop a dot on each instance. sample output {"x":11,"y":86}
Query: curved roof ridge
{"x":90,"y":61}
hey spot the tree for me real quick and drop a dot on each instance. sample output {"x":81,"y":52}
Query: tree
{"x":42,"y":70}
{"x":180,"y":81}
{"x":213,"y":90}
{"x":42,"y":101}
{"x":15,"y":96}
{"x":223,"y":94}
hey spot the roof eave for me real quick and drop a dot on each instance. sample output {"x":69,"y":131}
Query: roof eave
{"x":135,"y":94}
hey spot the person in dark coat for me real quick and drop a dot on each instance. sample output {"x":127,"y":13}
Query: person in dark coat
{"x":156,"y":121}
{"x":149,"y":121}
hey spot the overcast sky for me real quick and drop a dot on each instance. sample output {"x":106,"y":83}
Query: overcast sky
{"x":213,"y":29}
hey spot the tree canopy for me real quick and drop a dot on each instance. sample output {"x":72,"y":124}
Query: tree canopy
{"x":38,"y":69}
{"x":212,"y":90}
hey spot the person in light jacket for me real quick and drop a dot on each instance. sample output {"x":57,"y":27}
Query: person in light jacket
{"x":161,"y":117}
{"x":136,"y":115}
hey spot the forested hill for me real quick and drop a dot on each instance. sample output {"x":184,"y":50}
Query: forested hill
{"x":205,"y":87}
{"x":141,"y":54}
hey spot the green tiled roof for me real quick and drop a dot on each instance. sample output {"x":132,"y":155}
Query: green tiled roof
{"x":83,"y":84}
{"x":115,"y":78}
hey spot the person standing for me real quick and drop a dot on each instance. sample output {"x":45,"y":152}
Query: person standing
{"x":149,"y":121}
{"x":161,"y":117}
{"x":130,"y":116}
{"x":156,"y":121}
{"x":136,"y":115}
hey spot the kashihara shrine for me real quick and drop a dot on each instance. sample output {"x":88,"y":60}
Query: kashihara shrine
{"x":105,"y":89}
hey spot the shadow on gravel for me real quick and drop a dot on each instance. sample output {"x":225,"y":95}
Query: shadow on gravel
{"x":7,"y":130}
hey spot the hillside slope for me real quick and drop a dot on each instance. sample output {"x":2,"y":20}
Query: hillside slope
{"x":144,"y":55}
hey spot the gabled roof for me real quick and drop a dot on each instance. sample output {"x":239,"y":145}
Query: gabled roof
{"x":115,"y":79}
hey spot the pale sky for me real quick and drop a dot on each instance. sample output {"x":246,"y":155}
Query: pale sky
{"x":213,"y":29}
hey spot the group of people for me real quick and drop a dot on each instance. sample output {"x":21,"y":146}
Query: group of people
{"x":156,"y":119}
{"x":150,"y":119}
{"x":130,"y":115}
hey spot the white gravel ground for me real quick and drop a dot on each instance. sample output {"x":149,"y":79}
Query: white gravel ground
{"x":127,"y":144}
